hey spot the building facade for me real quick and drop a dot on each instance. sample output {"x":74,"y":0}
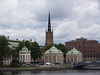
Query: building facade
{"x":49,"y":33}
{"x":53,"y":55}
{"x":74,"y":56}
{"x":88,"y":48}
{"x":25,"y":55}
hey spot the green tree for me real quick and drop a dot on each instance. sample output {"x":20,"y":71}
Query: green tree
{"x":15,"y":63}
{"x":20,"y":46}
{"x":28,"y":44}
{"x":35,"y":51}
{"x":14,"y":54}
{"x":48,"y":47}
{"x":4,"y":49}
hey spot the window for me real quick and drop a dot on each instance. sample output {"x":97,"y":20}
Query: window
{"x":71,"y":52}
{"x":85,"y":46}
{"x":67,"y":47}
{"x":88,"y":55}
{"x":88,"y":46}
{"x":80,"y":46}
{"x":93,"y":51}
{"x":93,"y":46}
{"x":84,"y":51}
{"x":21,"y":56}
{"x":50,"y":59}
{"x":26,"y":56}
{"x":90,"y":51}
{"x":91,"y":55}
{"x":50,"y":52}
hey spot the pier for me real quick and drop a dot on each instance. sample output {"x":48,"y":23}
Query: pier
{"x":89,"y":66}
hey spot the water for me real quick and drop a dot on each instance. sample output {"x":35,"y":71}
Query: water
{"x":63,"y":72}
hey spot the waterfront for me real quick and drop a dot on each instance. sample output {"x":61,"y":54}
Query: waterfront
{"x":61,"y":72}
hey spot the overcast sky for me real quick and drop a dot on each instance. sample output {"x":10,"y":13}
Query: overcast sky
{"x":70,"y":19}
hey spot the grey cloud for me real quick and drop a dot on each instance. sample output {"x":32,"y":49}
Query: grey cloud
{"x":69,"y":18}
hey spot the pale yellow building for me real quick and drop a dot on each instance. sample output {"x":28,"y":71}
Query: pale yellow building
{"x":74,"y":56}
{"x":53,"y":55}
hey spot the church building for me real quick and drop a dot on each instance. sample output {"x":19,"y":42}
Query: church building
{"x":49,"y":33}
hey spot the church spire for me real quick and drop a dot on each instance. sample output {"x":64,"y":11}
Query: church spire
{"x":49,"y":23}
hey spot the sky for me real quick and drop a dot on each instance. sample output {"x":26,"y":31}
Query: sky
{"x":70,"y":19}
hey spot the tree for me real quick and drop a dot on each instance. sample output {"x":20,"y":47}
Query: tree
{"x":20,"y":46}
{"x":35,"y":51}
{"x":48,"y":47}
{"x":15,"y":63}
{"x":27,"y":44}
{"x":14,"y":54}
{"x":4,"y":49}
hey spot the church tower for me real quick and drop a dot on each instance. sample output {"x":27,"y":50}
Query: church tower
{"x":49,"y":33}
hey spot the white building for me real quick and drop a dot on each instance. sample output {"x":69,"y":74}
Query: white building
{"x":25,"y":55}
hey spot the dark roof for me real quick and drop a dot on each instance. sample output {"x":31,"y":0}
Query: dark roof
{"x":81,"y":39}
{"x":13,"y":40}
{"x":91,"y":41}
{"x":72,"y":41}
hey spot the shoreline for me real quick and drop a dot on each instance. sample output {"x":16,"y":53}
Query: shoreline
{"x":49,"y":68}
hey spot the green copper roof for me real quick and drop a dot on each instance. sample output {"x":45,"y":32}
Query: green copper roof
{"x":74,"y":51}
{"x":24,"y":48}
{"x":53,"y":50}
{"x":15,"y":44}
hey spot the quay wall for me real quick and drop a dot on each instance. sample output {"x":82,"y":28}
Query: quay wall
{"x":35,"y":69}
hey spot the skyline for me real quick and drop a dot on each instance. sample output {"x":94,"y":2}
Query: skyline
{"x":70,"y":19}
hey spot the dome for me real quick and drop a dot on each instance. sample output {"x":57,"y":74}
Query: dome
{"x":53,"y":50}
{"x":74,"y":51}
{"x":24,"y":48}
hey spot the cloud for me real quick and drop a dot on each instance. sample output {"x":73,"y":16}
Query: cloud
{"x":27,"y":19}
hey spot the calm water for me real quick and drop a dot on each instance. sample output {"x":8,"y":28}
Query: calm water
{"x":63,"y":72}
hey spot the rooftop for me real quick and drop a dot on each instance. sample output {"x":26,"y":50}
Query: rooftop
{"x":24,"y":48}
{"x":73,"y":52}
{"x":53,"y":50}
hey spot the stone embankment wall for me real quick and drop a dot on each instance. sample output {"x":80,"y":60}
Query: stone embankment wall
{"x":35,"y":69}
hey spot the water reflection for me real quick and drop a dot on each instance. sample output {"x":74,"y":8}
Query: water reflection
{"x":62,"y":72}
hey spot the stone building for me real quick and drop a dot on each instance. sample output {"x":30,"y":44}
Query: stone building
{"x":25,"y":55}
{"x":74,"y":56}
{"x":53,"y":55}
